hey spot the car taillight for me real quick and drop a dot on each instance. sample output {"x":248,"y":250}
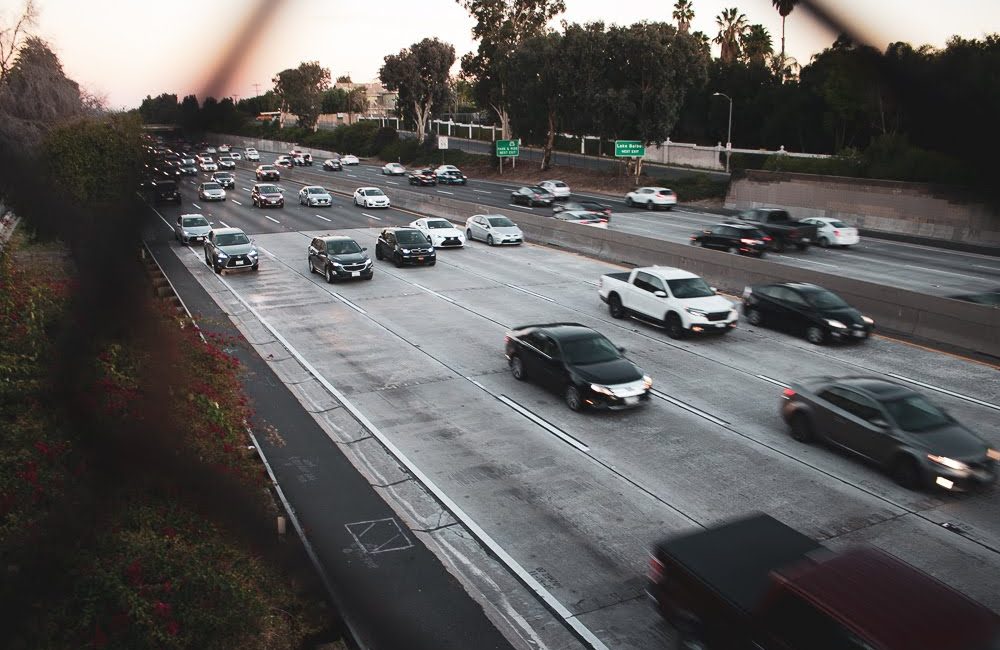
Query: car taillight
{"x":767,"y":238}
{"x":749,"y":242}
{"x":506,"y":339}
{"x":655,"y":570}
{"x":788,"y":393}
{"x":836,"y":233}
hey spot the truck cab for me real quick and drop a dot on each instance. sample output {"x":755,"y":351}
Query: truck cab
{"x":783,"y":229}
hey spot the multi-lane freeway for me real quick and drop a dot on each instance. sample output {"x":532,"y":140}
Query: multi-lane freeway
{"x":576,"y":499}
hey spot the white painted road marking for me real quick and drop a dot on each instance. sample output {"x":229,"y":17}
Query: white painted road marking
{"x":988,"y":405}
{"x":444,"y":192}
{"x":771,"y":381}
{"x":530,"y":293}
{"x":432,"y":292}
{"x":526,"y":207}
{"x":322,"y":217}
{"x":482,"y":191}
{"x":196,"y":206}
{"x":224,"y":224}
{"x":961,"y":275}
{"x":235,"y":201}
{"x":559,"y":433}
{"x":371,"y":216}
{"x":689,"y":408}
{"x":247,"y":189}
{"x":272,"y":219}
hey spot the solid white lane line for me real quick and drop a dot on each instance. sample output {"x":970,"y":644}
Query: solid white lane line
{"x":980,"y":402}
{"x":482,"y":191}
{"x":322,"y":217}
{"x":246,"y":189}
{"x":689,"y":408}
{"x":235,"y":201}
{"x":991,"y":268}
{"x":352,"y":175}
{"x":371,"y":216}
{"x":392,"y":182}
{"x":348,"y":303}
{"x":444,"y":192}
{"x":432,"y":292}
{"x":224,"y":224}
{"x":196,"y":206}
{"x":559,"y":433}
{"x":526,"y":207}
{"x":530,"y":293}
{"x":961,"y":275}
{"x":772,"y":381}
{"x":800,"y":259}
{"x":272,"y":219}
{"x":269,"y":253}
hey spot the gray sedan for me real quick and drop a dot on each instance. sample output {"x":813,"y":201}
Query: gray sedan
{"x":191,"y":228}
{"x":494,"y":229}
{"x":312,"y":195}
{"x":892,"y":426}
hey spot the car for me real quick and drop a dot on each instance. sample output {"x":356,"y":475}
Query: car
{"x":805,"y":309}
{"x":441,"y":233}
{"x":264,"y":195}
{"x":370,"y":197}
{"x":268,"y":173}
{"x":589,"y":206}
{"x":531,"y":196}
{"x":833,"y":232}
{"x":164,"y":189}
{"x":893,"y":426}
{"x":225,"y":179}
{"x":210,"y":149}
{"x":740,"y":238}
{"x":236,"y":155}
{"x":652,"y":198}
{"x":440,"y":169}
{"x":349,"y":159}
{"x":779,"y":225}
{"x":298,"y":160}
{"x":284,"y":161}
{"x":404,"y":246}
{"x":582,"y":217}
{"x":230,"y":249}
{"x":226,"y":162}
{"x":211,"y":192}
{"x":333,"y":165}
{"x":393,"y":169}
{"x":452,"y":177}
{"x":252,"y":154}
{"x":558,"y":189}
{"x":423,"y":177}
{"x":203,"y":158}
{"x":339,"y":258}
{"x":189,"y":166}
{"x":494,"y":229}
{"x":314,"y":195}
{"x":191,"y":228}
{"x":223,"y":148}
{"x":579,"y":363}
{"x":209,"y":166}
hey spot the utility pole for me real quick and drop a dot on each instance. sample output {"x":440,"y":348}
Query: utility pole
{"x":256,"y":90}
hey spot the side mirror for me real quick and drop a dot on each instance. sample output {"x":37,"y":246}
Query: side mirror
{"x":713,"y":289}
{"x":211,"y":223}
{"x":364,"y":248}
{"x":620,"y":349}
{"x":660,"y":294}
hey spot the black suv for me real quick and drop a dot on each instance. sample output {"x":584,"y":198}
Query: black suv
{"x":423,"y":177}
{"x":532,"y":196}
{"x":582,"y":365}
{"x":264,"y":194}
{"x":452,"y":177}
{"x":405,"y":246}
{"x":805,"y":309}
{"x":164,"y":189}
{"x":339,"y":258}
{"x":733,"y":237}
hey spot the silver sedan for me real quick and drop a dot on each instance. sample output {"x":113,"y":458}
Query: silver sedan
{"x":314,"y":195}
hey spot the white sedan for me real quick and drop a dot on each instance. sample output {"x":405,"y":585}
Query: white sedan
{"x":312,"y":195}
{"x":252,"y":154}
{"x":236,"y":155}
{"x":210,"y":150}
{"x":370,"y":197}
{"x":349,"y":159}
{"x":223,"y":148}
{"x":652,"y":198}
{"x":209,"y":166}
{"x":440,"y":232}
{"x":393,"y":169}
{"x":833,"y":232}
{"x":558,"y":189}
{"x":211,"y":192}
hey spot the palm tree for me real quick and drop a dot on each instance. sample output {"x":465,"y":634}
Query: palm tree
{"x":756,"y":44}
{"x":784,"y":8}
{"x":683,"y":14}
{"x":732,"y":26}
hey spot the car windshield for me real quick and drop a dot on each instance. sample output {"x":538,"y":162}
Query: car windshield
{"x":193,"y":222}
{"x":538,"y":190}
{"x":316,"y":190}
{"x":558,"y":184}
{"x":665,"y":192}
{"x":374,"y":192}
{"x":825,"y":300}
{"x":224,"y":177}
{"x":342,"y":247}
{"x":439,"y":223}
{"x":268,"y":189}
{"x":411,"y":237}
{"x":594,"y":349}
{"x":231,"y":239}
{"x":690,"y":288}
{"x":914,"y":413}
{"x":267,"y":168}
{"x":838,"y":224}
{"x":212,"y":186}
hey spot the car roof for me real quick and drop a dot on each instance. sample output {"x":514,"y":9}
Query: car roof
{"x":367,"y":188}
{"x":669,"y":272}
{"x":227,"y":231}
{"x":880,"y":389}
{"x":336,"y":238}
{"x":263,"y":185}
{"x":562,"y":331}
{"x":193,"y":214}
{"x":314,"y":187}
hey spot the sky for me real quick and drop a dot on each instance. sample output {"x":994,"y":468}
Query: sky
{"x":127,"y":49}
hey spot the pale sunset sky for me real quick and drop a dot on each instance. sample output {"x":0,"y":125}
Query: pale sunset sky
{"x":127,"y":49}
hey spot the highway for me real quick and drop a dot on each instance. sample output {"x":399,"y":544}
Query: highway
{"x":576,"y":499}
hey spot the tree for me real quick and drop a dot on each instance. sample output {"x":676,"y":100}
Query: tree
{"x":13,"y":37}
{"x":732,"y":26}
{"x":419,"y":74}
{"x":161,"y":109}
{"x":501,"y":25}
{"x":190,"y":114}
{"x":344,"y":79}
{"x":301,"y":91}
{"x":756,"y":44}
{"x":538,"y":81}
{"x":683,"y":14}
{"x":784,"y":8}
{"x":356,"y":101}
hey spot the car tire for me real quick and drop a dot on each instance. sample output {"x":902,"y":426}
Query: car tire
{"x":754,"y":317}
{"x":468,"y":234}
{"x":489,"y":240}
{"x":824,"y":242}
{"x":329,"y":275}
{"x":815,"y":335}
{"x":734,"y":250}
{"x":309,"y":262}
{"x":801,"y":428}
{"x":370,"y":275}
{"x":628,"y":201}
{"x":906,"y":473}
{"x":517,"y":368}
{"x":668,"y":208}
{"x":378,"y":252}
{"x":255,"y":267}
{"x":615,"y":306}
{"x":572,"y":397}
{"x":649,"y":205}
{"x":397,"y":260}
{"x":675,"y":328}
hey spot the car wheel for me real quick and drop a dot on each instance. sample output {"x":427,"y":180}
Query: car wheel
{"x":378,"y":252}
{"x":216,"y":268}
{"x":397,"y":259}
{"x":778,"y":246}
{"x":754,"y":317}
{"x":815,"y":335}
{"x":311,"y":269}
{"x":255,"y":267}
{"x":517,"y":368}
{"x":468,"y":234}
{"x":489,"y":240}
{"x":801,"y":427}
{"x":615,"y":306}
{"x":824,"y":242}
{"x":733,"y":250}
{"x":329,"y":275}
{"x":649,"y":205}
{"x":572,"y":397}
{"x":906,"y":473}
{"x":675,"y":329}
{"x":628,"y":201}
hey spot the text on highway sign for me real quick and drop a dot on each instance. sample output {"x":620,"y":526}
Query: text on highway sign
{"x":507,"y":148}
{"x":625,"y":148}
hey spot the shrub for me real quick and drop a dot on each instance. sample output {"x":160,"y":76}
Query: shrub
{"x":696,"y":187}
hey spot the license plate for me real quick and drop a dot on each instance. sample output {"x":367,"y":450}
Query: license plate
{"x":239,"y":262}
{"x":355,"y":274}
{"x":631,"y":400}
{"x":806,"y":240}
{"x":420,"y":259}
{"x":860,"y":334}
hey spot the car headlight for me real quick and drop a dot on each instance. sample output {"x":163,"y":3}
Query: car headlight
{"x":695,"y":312}
{"x":836,"y":324}
{"x":337,"y":264}
{"x":222,"y":255}
{"x":186,"y":233}
{"x":252,"y":253}
{"x":947,"y":462}
{"x":432,"y":249}
{"x":993,"y":454}
{"x":603,"y":390}
{"x":647,"y":381}
{"x":405,"y":251}
{"x":868,"y":321}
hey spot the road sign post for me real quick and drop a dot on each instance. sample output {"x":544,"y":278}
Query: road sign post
{"x":630,"y":149}
{"x":507,"y":149}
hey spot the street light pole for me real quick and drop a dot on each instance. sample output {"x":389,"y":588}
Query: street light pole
{"x":729,"y":132}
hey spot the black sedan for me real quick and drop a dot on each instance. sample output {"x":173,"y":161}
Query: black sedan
{"x":588,"y":206}
{"x":423,"y":177}
{"x":452,"y":177}
{"x":577,"y":362}
{"x":532,"y":196}
{"x":805,"y":310}
{"x":332,"y":165}
{"x":405,"y":246}
{"x":734,"y":238}
{"x":893,"y":426}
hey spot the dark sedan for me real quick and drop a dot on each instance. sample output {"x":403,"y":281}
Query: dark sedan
{"x":405,"y":246}
{"x":423,"y":177}
{"x":805,"y":310}
{"x":452,"y":177}
{"x":332,"y":165}
{"x":531,"y":196}
{"x":734,"y":238}
{"x":893,"y":426}
{"x":580,"y":364}
{"x":588,"y":206}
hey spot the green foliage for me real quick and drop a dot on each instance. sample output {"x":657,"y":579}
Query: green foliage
{"x":419,"y":74}
{"x":696,"y":187}
{"x":301,"y":90}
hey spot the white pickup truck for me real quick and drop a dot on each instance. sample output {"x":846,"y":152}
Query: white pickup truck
{"x":680,"y":301}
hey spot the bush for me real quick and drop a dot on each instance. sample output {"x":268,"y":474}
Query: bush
{"x":696,"y":187}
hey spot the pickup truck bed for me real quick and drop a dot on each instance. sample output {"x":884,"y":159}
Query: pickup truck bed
{"x":623,"y":275}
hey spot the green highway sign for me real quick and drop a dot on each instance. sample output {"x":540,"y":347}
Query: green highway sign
{"x":629,"y":148}
{"x":507,"y":148}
